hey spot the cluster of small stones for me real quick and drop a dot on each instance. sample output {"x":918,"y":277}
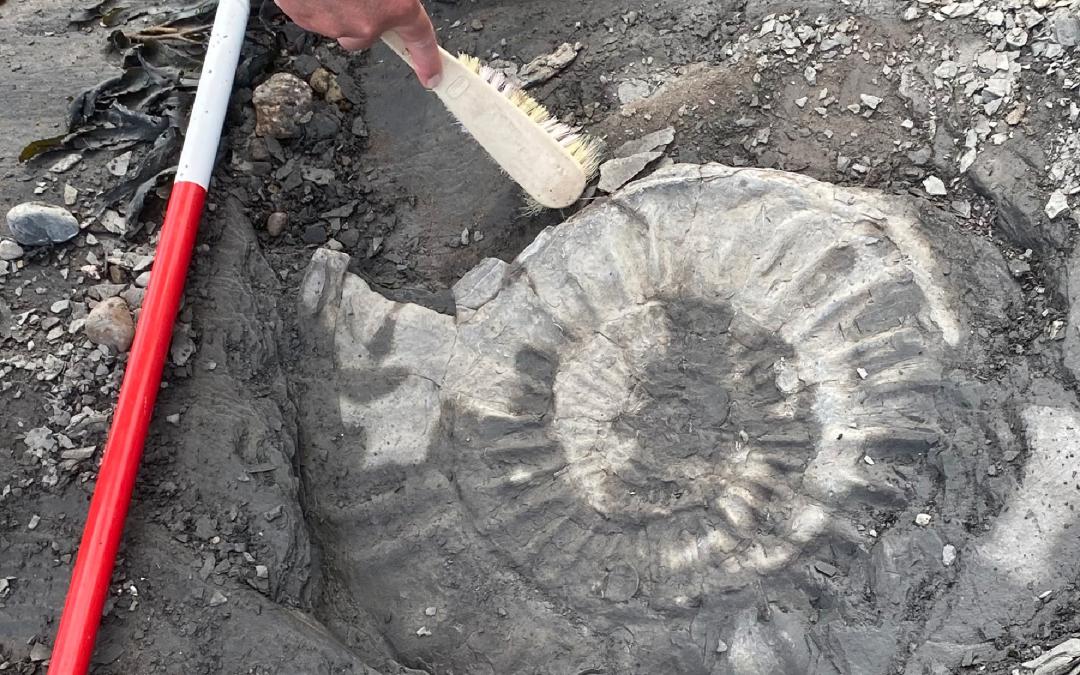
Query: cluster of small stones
{"x":71,"y":346}
{"x":1021,"y":36}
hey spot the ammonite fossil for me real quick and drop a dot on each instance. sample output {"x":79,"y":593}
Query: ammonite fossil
{"x":674,"y":427}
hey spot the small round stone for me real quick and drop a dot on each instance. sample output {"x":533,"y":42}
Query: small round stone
{"x":276,"y":223}
{"x":282,"y":104}
{"x":110,"y":324}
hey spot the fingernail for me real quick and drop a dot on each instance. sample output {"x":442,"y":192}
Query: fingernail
{"x":434,"y":81}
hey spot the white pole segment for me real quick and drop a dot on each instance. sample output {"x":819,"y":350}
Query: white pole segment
{"x":212,"y":97}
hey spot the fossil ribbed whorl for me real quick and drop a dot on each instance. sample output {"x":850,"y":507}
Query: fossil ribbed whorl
{"x":673,"y":395}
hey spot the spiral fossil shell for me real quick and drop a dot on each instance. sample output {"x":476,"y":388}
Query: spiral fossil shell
{"x":677,"y":396}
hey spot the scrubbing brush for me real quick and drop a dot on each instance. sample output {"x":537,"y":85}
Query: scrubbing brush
{"x":552,"y":161}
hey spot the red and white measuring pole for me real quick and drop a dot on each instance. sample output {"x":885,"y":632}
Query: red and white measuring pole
{"x":142,"y":378}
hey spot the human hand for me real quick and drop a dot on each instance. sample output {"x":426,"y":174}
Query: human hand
{"x":358,"y":24}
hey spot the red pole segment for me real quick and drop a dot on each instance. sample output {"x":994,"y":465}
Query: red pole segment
{"x":120,"y":463}
{"x":94,"y":563}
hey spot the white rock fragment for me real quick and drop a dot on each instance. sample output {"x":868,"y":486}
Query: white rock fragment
{"x":118,"y":166}
{"x":947,"y":70}
{"x":958,"y":10}
{"x":1060,"y":659}
{"x":869,"y":101}
{"x":1057,"y":204}
{"x":10,"y":250}
{"x":544,"y":67}
{"x":948,"y":555}
{"x":923,"y":519}
{"x":65,"y":163}
{"x":935,"y":187}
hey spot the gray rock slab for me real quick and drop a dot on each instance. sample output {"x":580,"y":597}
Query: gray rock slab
{"x":615,"y":173}
{"x":656,"y":141}
{"x":1009,"y":177}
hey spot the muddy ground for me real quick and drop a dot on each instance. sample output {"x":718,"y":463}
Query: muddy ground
{"x":229,"y":562}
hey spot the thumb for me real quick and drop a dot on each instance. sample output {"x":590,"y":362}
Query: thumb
{"x":419,"y":38}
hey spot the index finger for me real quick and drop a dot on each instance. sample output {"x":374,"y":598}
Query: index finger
{"x":418,"y":35}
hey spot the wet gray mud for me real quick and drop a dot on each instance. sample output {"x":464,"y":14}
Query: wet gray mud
{"x":802,"y":417}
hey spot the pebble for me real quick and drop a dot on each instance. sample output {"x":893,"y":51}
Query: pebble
{"x":71,"y":195}
{"x":935,"y":187}
{"x":183,"y":347}
{"x":869,"y":101}
{"x":10,"y":250}
{"x":110,"y":324}
{"x":283,"y":104}
{"x":78,"y":454}
{"x":217,"y":599}
{"x":948,"y":555}
{"x":38,"y":223}
{"x":60,"y":306}
{"x":431,"y":611}
{"x":423,"y":631}
{"x":118,"y":166}
{"x":923,"y":519}
{"x":34,"y":520}
{"x":1016,"y":115}
{"x":39,"y":652}
{"x":1057,"y":204}
{"x":276,"y":223}
{"x":325,"y":84}
{"x":314,"y":234}
{"x":359,"y":127}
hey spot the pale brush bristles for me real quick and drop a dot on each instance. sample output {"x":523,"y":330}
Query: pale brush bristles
{"x":584,"y":150}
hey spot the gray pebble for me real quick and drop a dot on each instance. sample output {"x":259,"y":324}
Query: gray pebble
{"x":276,"y":223}
{"x":38,"y":223}
{"x":10,"y":250}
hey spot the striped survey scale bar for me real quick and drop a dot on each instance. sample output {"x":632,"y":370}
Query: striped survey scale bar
{"x":104,"y":527}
